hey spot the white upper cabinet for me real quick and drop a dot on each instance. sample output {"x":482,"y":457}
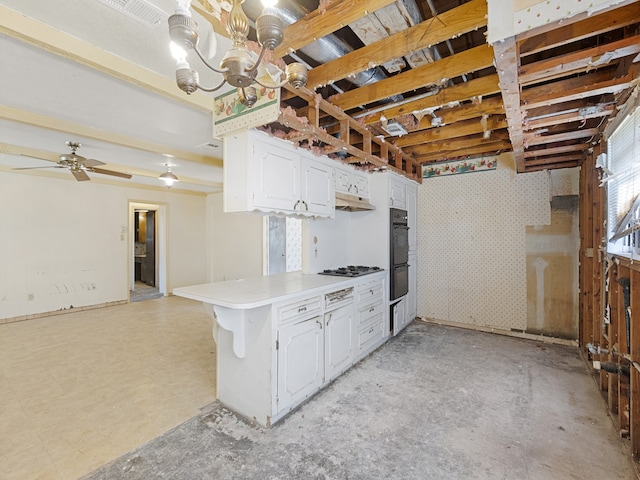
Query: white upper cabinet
{"x":276,"y":177}
{"x":397,"y":193}
{"x":351,"y":181}
{"x":270,"y":175}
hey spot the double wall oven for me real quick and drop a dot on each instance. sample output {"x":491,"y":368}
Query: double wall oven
{"x":399,"y":254}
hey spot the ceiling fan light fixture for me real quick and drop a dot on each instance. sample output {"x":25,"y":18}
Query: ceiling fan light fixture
{"x":168,"y":177}
{"x":237,"y":67}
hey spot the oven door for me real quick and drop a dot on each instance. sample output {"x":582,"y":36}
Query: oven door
{"x":400,"y":245}
{"x":399,"y":281}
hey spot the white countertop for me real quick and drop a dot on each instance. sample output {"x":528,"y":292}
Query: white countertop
{"x":259,"y":291}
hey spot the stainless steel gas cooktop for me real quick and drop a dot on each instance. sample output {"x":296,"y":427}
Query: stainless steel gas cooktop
{"x":350,"y":271}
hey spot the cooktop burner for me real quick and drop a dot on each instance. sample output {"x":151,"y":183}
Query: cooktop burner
{"x":350,"y":271}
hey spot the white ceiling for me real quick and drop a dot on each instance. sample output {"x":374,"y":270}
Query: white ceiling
{"x":36,"y":81}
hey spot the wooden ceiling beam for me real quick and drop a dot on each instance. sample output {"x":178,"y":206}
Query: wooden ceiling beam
{"x":507,"y":65}
{"x":447,"y":116}
{"x":452,"y":23}
{"x":589,"y":111}
{"x":553,"y":166}
{"x":566,"y":107}
{"x":580,"y":61}
{"x":320,"y":23}
{"x":460,"y":129}
{"x":453,"y":144}
{"x":557,"y":93}
{"x":545,"y":152}
{"x":482,"y":149}
{"x":532,"y":139}
{"x":591,"y":26}
{"x":450,"y":95}
{"x":435,"y":73}
{"x":574,"y":157}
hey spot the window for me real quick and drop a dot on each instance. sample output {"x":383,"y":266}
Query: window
{"x":623,"y":187}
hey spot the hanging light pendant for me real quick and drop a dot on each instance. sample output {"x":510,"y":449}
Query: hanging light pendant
{"x":237,"y":67}
{"x":168,"y":177}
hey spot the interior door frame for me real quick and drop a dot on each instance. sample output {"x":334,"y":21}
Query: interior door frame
{"x":160,"y":243}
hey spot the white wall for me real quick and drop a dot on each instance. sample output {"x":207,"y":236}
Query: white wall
{"x":65,"y":244}
{"x":235,"y":242}
{"x":471,"y":244}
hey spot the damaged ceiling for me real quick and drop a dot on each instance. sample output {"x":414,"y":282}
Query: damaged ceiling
{"x":392,"y":84}
{"x":421,"y":76}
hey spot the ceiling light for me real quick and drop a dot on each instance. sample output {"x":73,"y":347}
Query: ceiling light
{"x":168,"y":177}
{"x":238,"y":67}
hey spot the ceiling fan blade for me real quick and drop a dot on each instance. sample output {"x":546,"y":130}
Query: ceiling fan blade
{"x":109,"y":172}
{"x":91,"y":162}
{"x":33,"y":156}
{"x":80,"y":175}
{"x":33,"y":168}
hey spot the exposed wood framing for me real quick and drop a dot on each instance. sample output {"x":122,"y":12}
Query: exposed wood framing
{"x":459,"y":20}
{"x":506,"y":55}
{"x":385,"y":156}
{"x":319,"y":23}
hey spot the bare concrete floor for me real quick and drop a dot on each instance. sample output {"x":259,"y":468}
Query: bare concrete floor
{"x":433,"y":403}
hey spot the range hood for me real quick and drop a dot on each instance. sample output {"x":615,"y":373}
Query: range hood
{"x":352,"y":203}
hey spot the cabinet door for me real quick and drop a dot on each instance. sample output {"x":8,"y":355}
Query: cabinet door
{"x":360,"y":185}
{"x":397,"y":194}
{"x":276,"y":178}
{"x":300,"y":361}
{"x":318,"y":194}
{"x":399,"y":316}
{"x":342,"y":180}
{"x":339,"y":341}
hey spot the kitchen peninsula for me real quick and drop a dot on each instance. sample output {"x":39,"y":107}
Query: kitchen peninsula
{"x":281,"y":338}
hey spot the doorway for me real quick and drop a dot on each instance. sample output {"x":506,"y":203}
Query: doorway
{"x":147,"y":259}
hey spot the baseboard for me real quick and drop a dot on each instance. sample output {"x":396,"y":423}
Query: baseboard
{"x":54,"y":313}
{"x":498,"y":331}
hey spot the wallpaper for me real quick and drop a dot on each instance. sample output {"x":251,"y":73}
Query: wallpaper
{"x":471,"y":241}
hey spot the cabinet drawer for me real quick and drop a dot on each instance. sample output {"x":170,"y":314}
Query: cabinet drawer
{"x":370,"y":335}
{"x":365,"y":315}
{"x":370,"y":292}
{"x":298,"y":311}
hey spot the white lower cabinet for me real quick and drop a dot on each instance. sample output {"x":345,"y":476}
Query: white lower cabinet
{"x":300,"y":350}
{"x":274,"y":356}
{"x":339,"y":341}
{"x":371,"y":324}
{"x":399,"y":315}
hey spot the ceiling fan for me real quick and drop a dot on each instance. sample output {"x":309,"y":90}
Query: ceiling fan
{"x":77,"y":164}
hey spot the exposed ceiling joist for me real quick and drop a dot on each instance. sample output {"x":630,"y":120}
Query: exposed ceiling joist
{"x":467,"y":17}
{"x":320,"y":23}
{"x":436,"y":73}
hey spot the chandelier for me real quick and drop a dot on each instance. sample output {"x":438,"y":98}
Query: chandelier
{"x":237,"y":67}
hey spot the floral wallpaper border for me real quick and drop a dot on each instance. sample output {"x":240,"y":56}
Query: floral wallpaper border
{"x":230,"y":115}
{"x":457,"y":167}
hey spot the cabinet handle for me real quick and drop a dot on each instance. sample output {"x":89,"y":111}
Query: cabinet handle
{"x":371,"y":329}
{"x":302,"y":309}
{"x":372,"y":309}
{"x":319,"y":323}
{"x":306,"y":207}
{"x":371,"y":291}
{"x":295,"y":205}
{"x":356,"y":187}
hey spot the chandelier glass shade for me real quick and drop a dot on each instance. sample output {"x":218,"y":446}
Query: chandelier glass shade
{"x":238,"y":68}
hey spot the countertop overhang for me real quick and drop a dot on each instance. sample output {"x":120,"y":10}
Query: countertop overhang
{"x":256,"y":292}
